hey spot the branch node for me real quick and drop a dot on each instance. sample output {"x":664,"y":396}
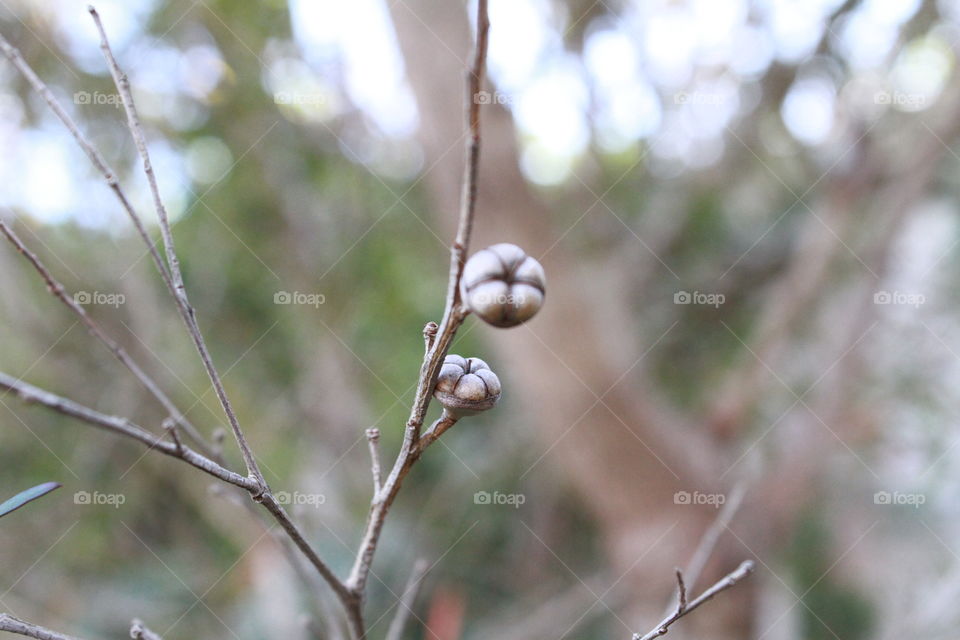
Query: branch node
{"x":170,"y":426}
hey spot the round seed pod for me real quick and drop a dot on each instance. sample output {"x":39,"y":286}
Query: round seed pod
{"x":466,"y":386}
{"x":503,"y":285}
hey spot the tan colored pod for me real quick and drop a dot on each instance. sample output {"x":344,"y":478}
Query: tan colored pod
{"x":466,"y":386}
{"x":502,"y":285}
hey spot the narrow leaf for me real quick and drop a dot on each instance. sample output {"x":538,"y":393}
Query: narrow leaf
{"x":24,"y":497}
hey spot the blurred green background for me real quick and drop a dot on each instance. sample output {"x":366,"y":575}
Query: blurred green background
{"x":747,"y":215}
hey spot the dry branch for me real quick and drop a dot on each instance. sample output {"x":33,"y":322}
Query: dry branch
{"x":732,"y":578}
{"x":439,"y":344}
{"x":60,"y":293}
{"x":407,"y":600}
{"x":14,"y":625}
{"x":179,"y":291}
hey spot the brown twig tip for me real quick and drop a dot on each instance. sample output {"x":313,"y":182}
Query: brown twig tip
{"x":728,"y":581}
{"x":139,"y":631}
{"x":429,"y":335}
{"x":681,"y":591}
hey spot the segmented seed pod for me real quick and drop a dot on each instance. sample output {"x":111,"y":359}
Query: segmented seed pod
{"x":466,"y":386}
{"x":502,"y":285}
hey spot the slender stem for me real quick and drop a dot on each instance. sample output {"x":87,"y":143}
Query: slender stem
{"x":437,"y":429}
{"x":709,"y":539}
{"x":15,"y":625}
{"x":373,"y":440}
{"x":407,"y":600}
{"x":187,"y":312}
{"x":96,"y":158}
{"x":122,"y":426}
{"x":732,"y":578}
{"x":59,"y":292}
{"x":438,"y":345}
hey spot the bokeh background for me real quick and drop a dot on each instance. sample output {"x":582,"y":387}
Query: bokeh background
{"x":747,"y":212}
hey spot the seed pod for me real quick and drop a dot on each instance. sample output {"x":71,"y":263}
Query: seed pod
{"x":466,"y":386}
{"x":503,"y":285}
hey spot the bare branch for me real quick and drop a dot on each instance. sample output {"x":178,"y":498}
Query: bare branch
{"x":124,"y":427}
{"x":708,"y":541}
{"x":407,"y":600}
{"x":59,"y":292}
{"x":439,"y":345}
{"x":13,"y":54}
{"x":732,"y":578}
{"x":139,"y":631}
{"x":15,"y":625}
{"x":437,"y":429}
{"x":187,"y":312}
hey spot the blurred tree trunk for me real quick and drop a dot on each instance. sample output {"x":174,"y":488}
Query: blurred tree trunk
{"x":625,"y":453}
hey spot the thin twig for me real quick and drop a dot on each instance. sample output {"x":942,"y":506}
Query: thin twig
{"x":60,"y":293}
{"x":708,"y":541}
{"x":681,"y":591}
{"x":122,"y":426}
{"x":373,"y":440}
{"x":15,"y":625}
{"x":407,"y":600}
{"x":453,"y":316}
{"x":187,"y":312}
{"x":437,"y":429}
{"x":170,"y":426}
{"x":732,"y":578}
{"x":96,"y":158}
{"x":139,"y":631}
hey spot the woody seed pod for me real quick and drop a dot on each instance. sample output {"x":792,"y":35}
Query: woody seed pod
{"x":503,"y":285}
{"x":466,"y":386}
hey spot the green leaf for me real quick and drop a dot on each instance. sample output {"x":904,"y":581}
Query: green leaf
{"x":24,"y":497}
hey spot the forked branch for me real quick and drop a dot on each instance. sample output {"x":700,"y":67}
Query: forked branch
{"x":683,"y":608}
